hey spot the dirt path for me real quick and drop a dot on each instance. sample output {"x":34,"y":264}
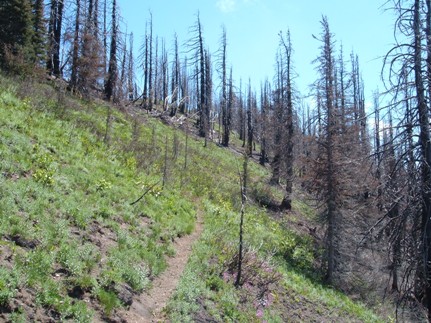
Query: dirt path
{"x":148,"y":306}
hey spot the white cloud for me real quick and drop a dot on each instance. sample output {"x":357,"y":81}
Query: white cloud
{"x":226,"y":5}
{"x":247,"y":2}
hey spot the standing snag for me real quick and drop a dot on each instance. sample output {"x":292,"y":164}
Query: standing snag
{"x":111,"y":81}
{"x":286,"y":204}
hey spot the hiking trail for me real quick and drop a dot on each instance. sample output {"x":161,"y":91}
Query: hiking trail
{"x":148,"y":306}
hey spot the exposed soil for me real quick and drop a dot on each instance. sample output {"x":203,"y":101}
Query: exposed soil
{"x":148,"y":307}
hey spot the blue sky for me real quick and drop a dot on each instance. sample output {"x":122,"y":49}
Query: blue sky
{"x":252,"y":31}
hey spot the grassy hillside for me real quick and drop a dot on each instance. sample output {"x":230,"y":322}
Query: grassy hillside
{"x":74,"y":246}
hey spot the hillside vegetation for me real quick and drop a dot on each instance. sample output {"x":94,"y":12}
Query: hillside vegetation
{"x":93,"y":196}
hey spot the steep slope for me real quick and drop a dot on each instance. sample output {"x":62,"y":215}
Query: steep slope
{"x":149,"y":305}
{"x":94,"y":198}
{"x":73,"y":245}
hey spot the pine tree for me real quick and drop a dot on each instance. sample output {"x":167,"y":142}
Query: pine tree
{"x":175,"y":79}
{"x":326,"y":165}
{"x":196,"y":45}
{"x":111,"y":81}
{"x":39,"y":33}
{"x":278,"y":116}
{"x":150,"y":70}
{"x":225,"y":117}
{"x":54,"y":36}
{"x":287,"y":45}
{"x":409,"y":75}
{"x":16,"y":32}
{"x":264,"y":123}
{"x":75,"y":49}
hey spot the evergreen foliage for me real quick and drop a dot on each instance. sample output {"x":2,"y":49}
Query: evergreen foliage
{"x":39,"y":33}
{"x":16,"y":32}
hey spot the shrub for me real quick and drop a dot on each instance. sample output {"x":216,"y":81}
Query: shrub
{"x":44,"y":176}
{"x":8,"y":284}
{"x":108,"y":300}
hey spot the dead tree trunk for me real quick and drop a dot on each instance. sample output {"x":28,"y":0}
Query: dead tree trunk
{"x":425,"y":160}
{"x":112,"y":69}
{"x":54,"y":33}
{"x":286,"y":204}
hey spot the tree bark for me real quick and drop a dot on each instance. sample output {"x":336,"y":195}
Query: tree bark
{"x":112,"y":70}
{"x":425,"y":161}
{"x":75,"y":50}
{"x":286,"y":204}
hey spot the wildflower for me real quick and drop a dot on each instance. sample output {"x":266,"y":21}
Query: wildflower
{"x":259,"y":312}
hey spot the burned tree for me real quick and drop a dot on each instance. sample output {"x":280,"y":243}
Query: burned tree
{"x":75,"y":48}
{"x":196,"y":46}
{"x":150,"y":65}
{"x":147,"y":63}
{"x":208,"y":96}
{"x":54,"y":36}
{"x":225,"y":112}
{"x":250,"y":124}
{"x":326,"y":165}
{"x":409,"y":76}
{"x":278,"y":124}
{"x":111,"y":81}
{"x":286,"y":204}
{"x":175,"y":79}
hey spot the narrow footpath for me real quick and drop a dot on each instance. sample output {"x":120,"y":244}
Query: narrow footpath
{"x":148,"y":307}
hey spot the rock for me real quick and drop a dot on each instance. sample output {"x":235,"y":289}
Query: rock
{"x":22,"y":242}
{"x":124,"y":293}
{"x":76,"y":292}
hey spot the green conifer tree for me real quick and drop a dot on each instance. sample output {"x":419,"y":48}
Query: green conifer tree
{"x":16,"y":32}
{"x":39,"y":32}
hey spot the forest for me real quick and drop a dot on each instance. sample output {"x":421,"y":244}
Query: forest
{"x":113,"y":167}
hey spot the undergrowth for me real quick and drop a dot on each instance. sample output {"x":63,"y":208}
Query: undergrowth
{"x":279,"y":279}
{"x":90,"y":208}
{"x":66,"y":194}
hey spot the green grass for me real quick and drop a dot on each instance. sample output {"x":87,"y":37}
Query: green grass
{"x":69,"y":191}
{"x":287,"y":253}
{"x":9,"y":281}
{"x":62,"y":187}
{"x":108,"y":300}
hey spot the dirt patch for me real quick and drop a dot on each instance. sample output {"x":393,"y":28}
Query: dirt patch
{"x":104,"y":238}
{"x":25,"y":302}
{"x":148,"y":307}
{"x":6,"y":256}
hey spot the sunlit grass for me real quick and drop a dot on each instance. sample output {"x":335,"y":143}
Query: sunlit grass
{"x":59,"y":181}
{"x":68,"y":192}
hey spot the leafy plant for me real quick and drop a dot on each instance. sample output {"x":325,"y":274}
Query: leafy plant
{"x":137,"y":277}
{"x":103,"y":185}
{"x":18,"y":316}
{"x":8,"y":285}
{"x":108,"y":299}
{"x":36,"y":265}
{"x":62,"y":186}
{"x":44,"y":176}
